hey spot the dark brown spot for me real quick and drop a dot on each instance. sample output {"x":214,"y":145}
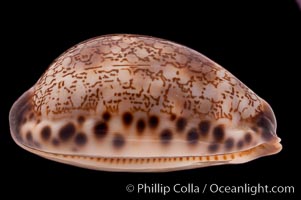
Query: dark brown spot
{"x":213,"y":148}
{"x":45,"y":133}
{"x":240,"y":144}
{"x":181,"y":124}
{"x":204,"y":127}
{"x":192,"y":136}
{"x":264,"y":122}
{"x":55,"y":142}
{"x":248,"y":138}
{"x":218,"y":133}
{"x":81,"y":119}
{"x":118,"y":141}
{"x":266,"y":127}
{"x":100,"y":129}
{"x":106,"y":116}
{"x":140,"y":125}
{"x":153,"y":122}
{"x":80,"y":139}
{"x":229,"y":143}
{"x":29,"y":136}
{"x":166,"y":136}
{"x":173,"y":117}
{"x":127,"y":118}
{"x":67,"y":132}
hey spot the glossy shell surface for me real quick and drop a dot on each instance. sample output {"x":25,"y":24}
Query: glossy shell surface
{"x":139,"y":103}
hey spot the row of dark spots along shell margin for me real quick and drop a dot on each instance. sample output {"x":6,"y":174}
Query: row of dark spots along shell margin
{"x":69,"y":131}
{"x":66,"y":133}
{"x":141,"y":124}
{"x":194,"y":134}
{"x":101,"y":129}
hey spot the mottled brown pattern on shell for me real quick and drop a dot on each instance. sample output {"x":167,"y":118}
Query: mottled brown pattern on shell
{"x":119,"y":63}
{"x":140,"y":98}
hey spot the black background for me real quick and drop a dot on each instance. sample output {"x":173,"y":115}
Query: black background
{"x":259,"y":43}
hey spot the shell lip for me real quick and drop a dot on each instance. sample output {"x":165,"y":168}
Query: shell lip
{"x":264,"y":149}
